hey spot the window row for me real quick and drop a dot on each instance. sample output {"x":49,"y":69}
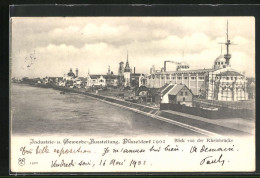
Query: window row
{"x":229,"y":78}
{"x":173,"y":78}
{"x":218,"y":63}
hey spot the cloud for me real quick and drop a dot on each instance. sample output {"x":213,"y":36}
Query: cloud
{"x":93,"y":43}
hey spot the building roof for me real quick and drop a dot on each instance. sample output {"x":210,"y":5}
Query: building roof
{"x":127,"y":68}
{"x":220,"y":59}
{"x":186,"y":71}
{"x":153,"y":91}
{"x":229,"y":73}
{"x":167,"y":89}
{"x":176,"y":88}
{"x":54,"y":78}
{"x":95,"y":76}
{"x":111,"y":76}
{"x":183,"y":63}
{"x":83,"y":79}
{"x":71,"y":74}
{"x":163,"y":87}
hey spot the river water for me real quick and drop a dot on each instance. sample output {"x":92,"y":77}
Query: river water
{"x":44,"y":111}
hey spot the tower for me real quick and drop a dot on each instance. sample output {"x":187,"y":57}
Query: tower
{"x":127,"y":72}
{"x":227,"y":56}
{"x":108,"y":71}
{"x":121,"y":73}
{"x":152,"y":69}
{"x":77,"y":72}
{"x":121,"y":69}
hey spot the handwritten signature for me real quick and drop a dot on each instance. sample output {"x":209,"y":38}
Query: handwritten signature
{"x":212,"y":160}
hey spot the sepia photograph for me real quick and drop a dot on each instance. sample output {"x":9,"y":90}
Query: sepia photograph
{"x":132,"y":88}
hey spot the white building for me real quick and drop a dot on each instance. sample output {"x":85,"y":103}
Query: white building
{"x":96,"y":80}
{"x":175,"y":94}
{"x":226,"y":84}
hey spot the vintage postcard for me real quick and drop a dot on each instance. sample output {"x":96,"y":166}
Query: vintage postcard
{"x":132,"y":94}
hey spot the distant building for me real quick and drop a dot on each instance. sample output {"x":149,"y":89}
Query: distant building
{"x":251,"y":88}
{"x":84,"y":81}
{"x":54,"y":80}
{"x":147,"y":94}
{"x":121,"y":74}
{"x":121,"y":69}
{"x":137,"y":80}
{"x":96,"y":80}
{"x":70,"y":75}
{"x":77,"y":83}
{"x":69,"y":78}
{"x":112,"y":80}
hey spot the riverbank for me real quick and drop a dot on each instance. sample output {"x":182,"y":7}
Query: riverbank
{"x":202,"y":125}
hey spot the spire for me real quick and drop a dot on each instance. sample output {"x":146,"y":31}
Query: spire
{"x":127,"y":56}
{"x":127,"y":67}
{"x":227,"y":56}
{"x":108,"y":71}
{"x":227,"y":30}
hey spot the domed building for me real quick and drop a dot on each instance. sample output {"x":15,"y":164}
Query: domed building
{"x":183,"y":66}
{"x":71,"y":79}
{"x":220,"y":62}
{"x":70,"y":75}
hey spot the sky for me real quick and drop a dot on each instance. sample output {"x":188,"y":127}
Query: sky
{"x":50,"y":46}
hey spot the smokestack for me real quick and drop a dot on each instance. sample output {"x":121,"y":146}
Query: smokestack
{"x":77,"y":72}
{"x":134,"y":70}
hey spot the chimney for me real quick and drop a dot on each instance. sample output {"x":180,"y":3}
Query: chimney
{"x":134,"y":70}
{"x":77,"y":72}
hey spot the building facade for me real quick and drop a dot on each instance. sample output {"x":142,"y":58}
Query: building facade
{"x":175,"y":94}
{"x":226,"y":84}
{"x":112,"y":80}
{"x":96,"y":81}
